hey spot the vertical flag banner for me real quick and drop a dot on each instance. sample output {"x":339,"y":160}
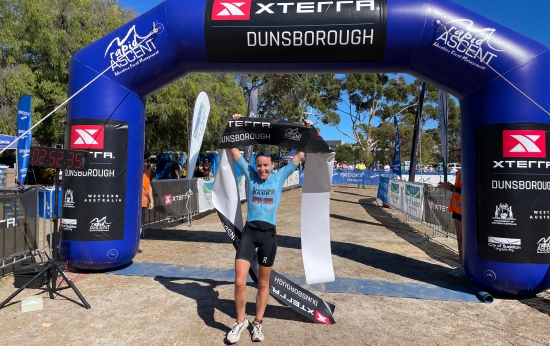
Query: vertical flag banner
{"x":416,"y":133}
{"x":200,"y":118}
{"x":24,"y":122}
{"x":252,"y":113}
{"x":442,"y":111}
{"x":396,"y":163}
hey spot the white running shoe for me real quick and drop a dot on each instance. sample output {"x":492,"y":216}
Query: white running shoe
{"x":235,"y":333}
{"x":257,"y":334}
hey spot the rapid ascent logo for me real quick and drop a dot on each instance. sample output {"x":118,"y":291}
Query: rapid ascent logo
{"x":87,"y":137}
{"x":100,"y":225}
{"x":231,"y":10}
{"x":524,"y":143}
{"x":131,"y":50}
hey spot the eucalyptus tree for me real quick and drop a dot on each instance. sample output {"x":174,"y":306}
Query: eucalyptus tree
{"x":169,"y":112}
{"x":38,"y":39}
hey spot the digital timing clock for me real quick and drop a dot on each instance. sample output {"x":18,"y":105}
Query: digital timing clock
{"x":59,"y":158}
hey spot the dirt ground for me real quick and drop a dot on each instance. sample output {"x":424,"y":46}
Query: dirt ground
{"x":367,"y":243}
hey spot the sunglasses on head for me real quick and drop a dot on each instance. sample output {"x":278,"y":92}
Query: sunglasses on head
{"x":264,"y":152}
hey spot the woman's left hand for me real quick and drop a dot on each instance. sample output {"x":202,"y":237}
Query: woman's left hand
{"x":308,"y":122}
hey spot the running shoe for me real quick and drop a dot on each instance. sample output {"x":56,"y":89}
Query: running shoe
{"x":235,"y":333}
{"x":257,"y":334}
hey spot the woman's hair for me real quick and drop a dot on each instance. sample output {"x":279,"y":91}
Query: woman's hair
{"x":264,"y":152}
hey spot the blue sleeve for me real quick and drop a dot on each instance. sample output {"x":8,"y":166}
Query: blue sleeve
{"x":287,"y":170}
{"x":244,"y":167}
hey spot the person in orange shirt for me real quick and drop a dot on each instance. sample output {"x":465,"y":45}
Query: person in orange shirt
{"x":146,"y":194}
{"x":456,"y":208}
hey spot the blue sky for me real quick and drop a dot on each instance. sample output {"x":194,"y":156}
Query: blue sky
{"x":528,"y":17}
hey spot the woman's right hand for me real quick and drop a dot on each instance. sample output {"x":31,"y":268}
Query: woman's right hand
{"x":236,"y":116}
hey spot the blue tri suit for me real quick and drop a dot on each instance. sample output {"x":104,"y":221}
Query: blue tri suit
{"x":263,"y":197}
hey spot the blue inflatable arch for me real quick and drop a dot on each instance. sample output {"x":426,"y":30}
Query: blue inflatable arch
{"x":505,"y":183}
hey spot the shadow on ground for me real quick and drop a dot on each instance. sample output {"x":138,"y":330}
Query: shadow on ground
{"x":208,"y":300}
{"x":390,"y":262}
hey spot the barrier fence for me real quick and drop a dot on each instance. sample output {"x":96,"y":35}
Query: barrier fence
{"x":19,"y":235}
{"x":421,"y":202}
{"x":26,"y":227}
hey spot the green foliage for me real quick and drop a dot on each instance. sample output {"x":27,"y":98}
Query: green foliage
{"x":290,"y":96}
{"x":38,"y":40}
{"x":350,"y":153}
{"x":39,"y":37}
{"x":170,"y":111}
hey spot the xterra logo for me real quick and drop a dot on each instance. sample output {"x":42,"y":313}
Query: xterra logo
{"x":87,"y":137}
{"x":524,"y":143}
{"x":231,"y":10}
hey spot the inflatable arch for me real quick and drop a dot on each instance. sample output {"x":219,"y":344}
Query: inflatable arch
{"x":506,"y":202}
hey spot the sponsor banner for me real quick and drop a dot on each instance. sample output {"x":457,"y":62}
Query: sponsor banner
{"x":413,"y":194}
{"x":396,"y":162}
{"x":416,"y":132}
{"x":292,"y":180}
{"x":205,"y":195}
{"x":252,"y":113}
{"x":442,"y":112}
{"x":200,"y":119}
{"x":94,"y":199}
{"x":205,"y":192}
{"x":436,"y":204}
{"x":288,"y":134}
{"x":24,"y":122}
{"x":395,"y":193}
{"x":175,"y":197}
{"x":383,"y":189}
{"x":241,"y":186}
{"x":432,"y":178}
{"x":303,"y":31}
{"x":512,"y":182}
{"x":359,"y":177}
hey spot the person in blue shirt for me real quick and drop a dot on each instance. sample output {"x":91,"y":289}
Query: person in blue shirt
{"x":263,"y":196}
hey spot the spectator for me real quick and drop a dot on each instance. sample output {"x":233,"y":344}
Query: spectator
{"x":197,"y":173}
{"x":387,"y":167}
{"x":146,"y":194}
{"x":206,"y":167}
{"x":361,"y":166}
{"x":176,"y":168}
{"x":456,"y":208}
{"x":202,"y":171}
{"x":345,"y":166}
{"x":184,"y":170}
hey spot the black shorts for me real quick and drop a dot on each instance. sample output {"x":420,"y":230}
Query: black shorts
{"x":261,"y":235}
{"x":457,"y":216}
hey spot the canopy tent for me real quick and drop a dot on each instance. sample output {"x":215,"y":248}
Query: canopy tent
{"x":289,"y":155}
{"x":7,"y":142}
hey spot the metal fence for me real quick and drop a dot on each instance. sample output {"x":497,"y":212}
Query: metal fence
{"x":421,"y":202}
{"x":173,"y":200}
{"x":19,"y":231}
